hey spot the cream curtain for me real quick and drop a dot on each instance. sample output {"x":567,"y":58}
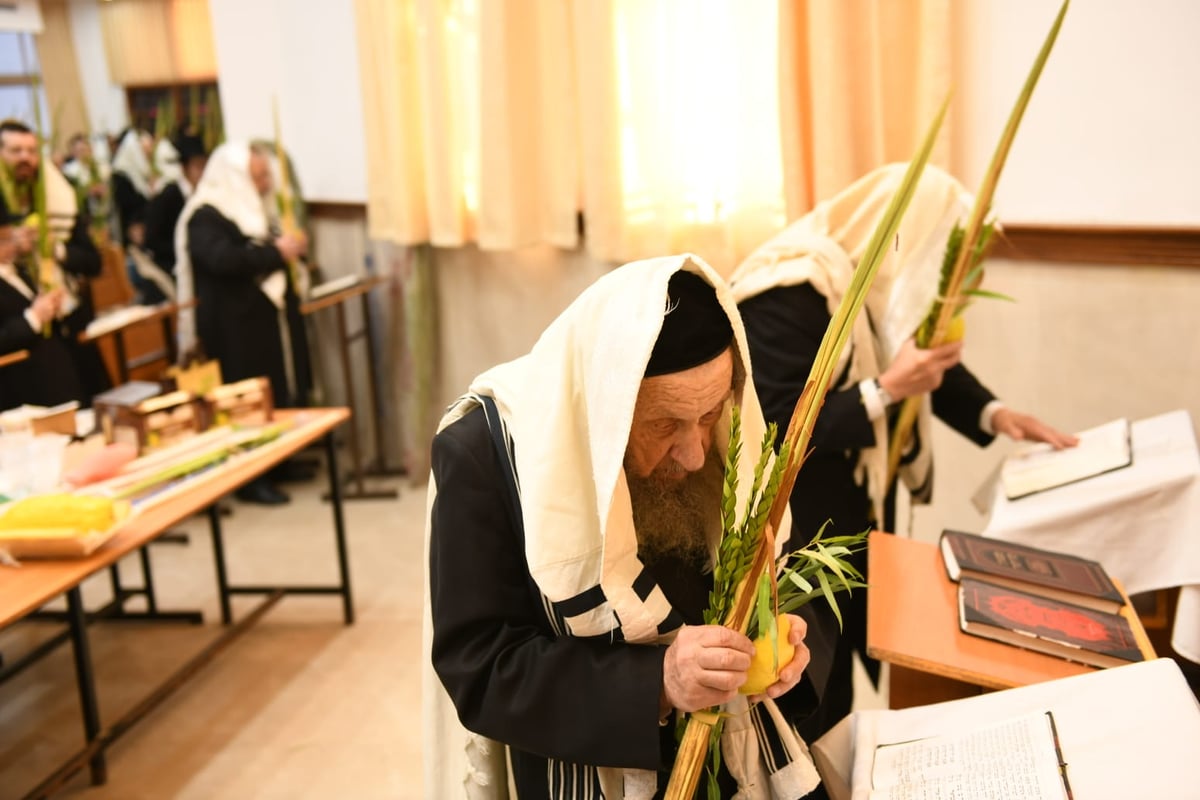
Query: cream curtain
{"x":156,"y":42}
{"x":60,"y":72}
{"x":860,"y":80}
{"x":671,"y":125}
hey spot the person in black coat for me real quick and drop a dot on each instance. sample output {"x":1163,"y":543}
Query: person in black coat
{"x":239,"y":270}
{"x":133,"y":186}
{"x":568,"y":615}
{"x":76,"y":258}
{"x":29,"y":320}
{"x":164,"y":209}
{"x":786,"y":291}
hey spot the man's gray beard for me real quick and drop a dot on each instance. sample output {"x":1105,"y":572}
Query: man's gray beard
{"x":682,"y":519}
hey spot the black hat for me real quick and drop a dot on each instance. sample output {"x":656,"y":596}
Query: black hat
{"x":695,"y":328}
{"x":190,"y":146}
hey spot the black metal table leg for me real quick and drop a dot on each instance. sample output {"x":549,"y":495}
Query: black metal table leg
{"x":214,"y":524}
{"x":379,"y":466}
{"x":339,"y":528}
{"x":114,"y":577}
{"x":148,"y":580}
{"x":86,"y":681}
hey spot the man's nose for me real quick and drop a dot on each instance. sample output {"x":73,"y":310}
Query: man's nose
{"x":688,"y":450}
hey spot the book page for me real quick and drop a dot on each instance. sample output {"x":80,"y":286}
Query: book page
{"x":1017,"y":759}
{"x":1100,"y":449}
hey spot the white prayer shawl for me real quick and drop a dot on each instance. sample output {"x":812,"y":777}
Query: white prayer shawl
{"x":227,"y":187}
{"x":61,"y":210}
{"x":166,"y":161}
{"x":130,"y":160}
{"x":824,"y":247}
{"x":568,"y":407}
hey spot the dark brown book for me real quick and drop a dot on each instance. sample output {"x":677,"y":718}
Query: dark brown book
{"x":1047,"y":626}
{"x":1058,"y":576}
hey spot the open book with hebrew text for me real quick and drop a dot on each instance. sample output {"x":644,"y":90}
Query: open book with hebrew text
{"x":1040,"y":467}
{"x":1018,"y":759}
{"x":1131,"y":731}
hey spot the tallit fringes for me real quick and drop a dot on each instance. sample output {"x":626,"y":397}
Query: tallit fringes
{"x":573,"y":781}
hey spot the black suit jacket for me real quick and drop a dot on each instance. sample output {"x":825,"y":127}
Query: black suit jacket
{"x":235,"y":321}
{"x":49,"y":376}
{"x":162,"y":213}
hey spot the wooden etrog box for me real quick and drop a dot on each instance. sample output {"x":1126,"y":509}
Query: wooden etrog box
{"x":248,"y":402}
{"x":140,"y":414}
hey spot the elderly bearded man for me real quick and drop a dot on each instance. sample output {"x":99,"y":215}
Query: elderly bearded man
{"x":575,"y":509}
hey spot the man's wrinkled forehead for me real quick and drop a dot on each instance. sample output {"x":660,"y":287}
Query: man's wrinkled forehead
{"x":691,"y":392}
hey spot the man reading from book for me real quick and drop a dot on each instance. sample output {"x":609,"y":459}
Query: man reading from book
{"x":576,"y":500}
{"x":786,"y":292}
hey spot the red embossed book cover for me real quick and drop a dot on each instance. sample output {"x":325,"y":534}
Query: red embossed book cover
{"x":1047,"y":626}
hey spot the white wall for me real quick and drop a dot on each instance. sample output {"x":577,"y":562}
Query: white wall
{"x":106,"y":107}
{"x":1109,"y":138}
{"x":301,"y":53}
{"x":1110,"y":134}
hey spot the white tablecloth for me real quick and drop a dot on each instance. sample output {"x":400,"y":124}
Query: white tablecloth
{"x":1142,"y":522}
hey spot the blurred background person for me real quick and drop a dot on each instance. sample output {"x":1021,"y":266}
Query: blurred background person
{"x":74,"y":256}
{"x":234,"y":262}
{"x":164,"y":209}
{"x":134,"y":183}
{"x":30,"y":320}
{"x":90,"y":176}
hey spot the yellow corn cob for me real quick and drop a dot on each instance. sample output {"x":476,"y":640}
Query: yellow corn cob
{"x":78,"y":512}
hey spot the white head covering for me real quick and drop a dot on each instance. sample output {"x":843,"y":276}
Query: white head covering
{"x":824,"y":247}
{"x":61,"y":211}
{"x":568,"y":406}
{"x":131,"y":162}
{"x":227,"y":187}
{"x":166,"y":161}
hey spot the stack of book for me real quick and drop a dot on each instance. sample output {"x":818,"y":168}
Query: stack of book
{"x":1040,"y":600}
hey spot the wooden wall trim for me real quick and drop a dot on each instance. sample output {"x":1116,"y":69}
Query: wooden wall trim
{"x":328,"y":209}
{"x":1060,"y":244}
{"x":18,"y":79}
{"x":1130,"y":246}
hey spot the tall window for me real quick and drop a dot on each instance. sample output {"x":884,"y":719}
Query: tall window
{"x":19,"y":73}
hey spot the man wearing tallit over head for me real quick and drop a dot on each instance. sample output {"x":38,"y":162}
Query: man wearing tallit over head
{"x":231,"y":258}
{"x":787,"y":291}
{"x":134,"y":183}
{"x":574,"y":514}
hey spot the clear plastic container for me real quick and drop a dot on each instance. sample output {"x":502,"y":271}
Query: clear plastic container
{"x":44,"y":465}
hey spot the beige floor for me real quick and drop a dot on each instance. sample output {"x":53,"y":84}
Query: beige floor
{"x":300,"y":707}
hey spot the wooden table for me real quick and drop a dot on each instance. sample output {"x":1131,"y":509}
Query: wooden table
{"x":24,"y":590}
{"x":337,"y":300}
{"x":912,"y":623}
{"x":15,"y":357}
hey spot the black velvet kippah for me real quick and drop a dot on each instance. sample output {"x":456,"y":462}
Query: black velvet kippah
{"x":695,"y":328}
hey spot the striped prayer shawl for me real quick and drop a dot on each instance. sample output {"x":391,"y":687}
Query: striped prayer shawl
{"x":573,"y":781}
